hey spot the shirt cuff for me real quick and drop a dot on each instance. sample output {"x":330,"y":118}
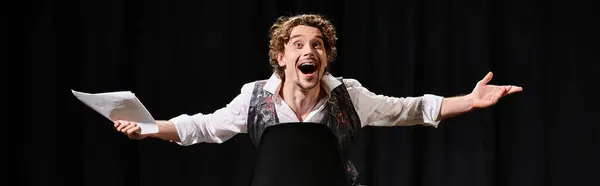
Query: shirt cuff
{"x":184,"y":124}
{"x":432,"y":105}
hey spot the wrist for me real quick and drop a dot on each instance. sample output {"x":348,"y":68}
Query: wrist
{"x":469,"y":102}
{"x":166,"y":131}
{"x":161,"y":125}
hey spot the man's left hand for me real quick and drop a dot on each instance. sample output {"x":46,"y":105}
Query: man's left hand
{"x":485,"y":95}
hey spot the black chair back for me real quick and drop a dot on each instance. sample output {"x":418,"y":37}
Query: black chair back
{"x":298,"y":154}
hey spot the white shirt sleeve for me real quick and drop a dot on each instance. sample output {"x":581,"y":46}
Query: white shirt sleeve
{"x":218,"y":126}
{"x":381,"y":110}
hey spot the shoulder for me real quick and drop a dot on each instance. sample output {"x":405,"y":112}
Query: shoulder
{"x":250,"y":86}
{"x":351,"y":83}
{"x":355,"y":88}
{"x":333,"y":82}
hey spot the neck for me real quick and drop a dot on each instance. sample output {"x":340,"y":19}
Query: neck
{"x":301,"y":101}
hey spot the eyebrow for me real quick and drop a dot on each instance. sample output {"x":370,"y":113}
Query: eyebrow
{"x":297,"y":35}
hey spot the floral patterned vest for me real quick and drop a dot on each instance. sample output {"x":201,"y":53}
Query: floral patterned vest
{"x":342,"y":119}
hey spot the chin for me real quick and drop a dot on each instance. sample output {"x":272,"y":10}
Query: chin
{"x":309,"y":83}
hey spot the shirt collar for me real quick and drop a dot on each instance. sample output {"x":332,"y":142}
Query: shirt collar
{"x":328,"y":82}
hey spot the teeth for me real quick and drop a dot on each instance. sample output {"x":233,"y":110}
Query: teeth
{"x":306,"y":64}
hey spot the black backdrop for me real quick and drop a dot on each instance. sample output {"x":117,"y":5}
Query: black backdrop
{"x":193,"y":56}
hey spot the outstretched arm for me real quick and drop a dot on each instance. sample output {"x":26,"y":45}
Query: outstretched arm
{"x":166,"y":130}
{"x":483,"y":95}
{"x":381,"y":110}
{"x":185,"y":129}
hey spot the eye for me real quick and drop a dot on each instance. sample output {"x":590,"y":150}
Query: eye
{"x":298,"y":45}
{"x":317,"y":44}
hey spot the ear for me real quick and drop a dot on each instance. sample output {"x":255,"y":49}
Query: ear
{"x":280,"y":59}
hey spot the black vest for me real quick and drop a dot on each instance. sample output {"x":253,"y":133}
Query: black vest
{"x":342,"y":119}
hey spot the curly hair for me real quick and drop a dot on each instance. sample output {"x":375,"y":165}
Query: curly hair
{"x":282,"y":28}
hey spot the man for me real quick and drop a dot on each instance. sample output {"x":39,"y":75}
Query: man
{"x":301,"y":90}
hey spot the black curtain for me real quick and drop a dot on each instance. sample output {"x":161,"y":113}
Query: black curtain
{"x":194,"y":56}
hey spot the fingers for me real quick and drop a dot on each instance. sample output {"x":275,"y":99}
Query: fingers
{"x":133,"y":130}
{"x":120,"y":124}
{"x":487,"y":78}
{"x":125,"y":126}
{"x":502,"y":91}
{"x":131,"y":125}
{"x":513,"y":89}
{"x":507,"y":89}
{"x":129,"y":128}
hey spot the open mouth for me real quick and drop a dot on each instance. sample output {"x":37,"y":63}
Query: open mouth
{"x":308,"y":68}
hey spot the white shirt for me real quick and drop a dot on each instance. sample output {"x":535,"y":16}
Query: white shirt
{"x":372,"y":109}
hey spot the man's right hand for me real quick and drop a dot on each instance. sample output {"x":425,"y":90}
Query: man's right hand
{"x":166,"y":130}
{"x":130,"y":129}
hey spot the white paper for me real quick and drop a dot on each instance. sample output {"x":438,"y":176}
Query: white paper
{"x":121,"y":105}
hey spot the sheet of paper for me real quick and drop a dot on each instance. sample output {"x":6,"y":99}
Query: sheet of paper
{"x":121,"y":105}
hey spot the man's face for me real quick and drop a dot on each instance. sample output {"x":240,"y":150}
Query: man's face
{"x":304,"y":57}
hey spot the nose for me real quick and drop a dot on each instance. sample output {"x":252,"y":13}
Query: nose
{"x":308,"y":51}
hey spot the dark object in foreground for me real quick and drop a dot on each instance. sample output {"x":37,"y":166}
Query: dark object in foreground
{"x":298,"y":154}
